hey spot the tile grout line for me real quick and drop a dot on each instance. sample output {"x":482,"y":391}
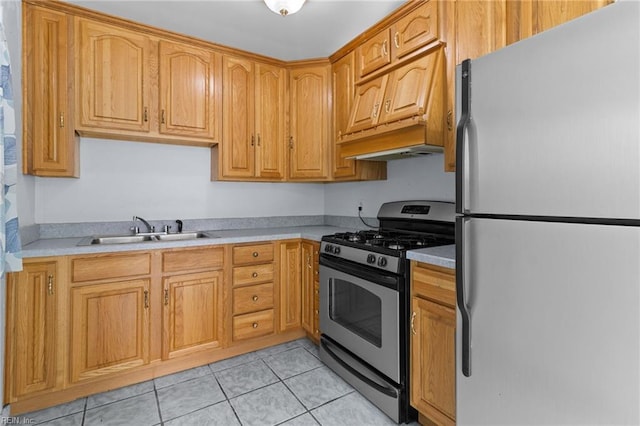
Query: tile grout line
{"x":155,"y":392}
{"x":84,"y":411}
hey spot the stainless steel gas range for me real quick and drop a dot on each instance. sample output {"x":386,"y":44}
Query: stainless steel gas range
{"x":365,"y":300}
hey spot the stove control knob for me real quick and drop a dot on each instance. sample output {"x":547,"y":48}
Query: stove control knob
{"x":382,"y":261}
{"x":336,"y":250}
{"x":371,"y":259}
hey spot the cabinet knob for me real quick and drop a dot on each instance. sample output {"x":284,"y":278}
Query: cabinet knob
{"x":255,"y":325}
{"x":254,"y":275}
{"x":255,"y":254}
{"x":255,"y":298}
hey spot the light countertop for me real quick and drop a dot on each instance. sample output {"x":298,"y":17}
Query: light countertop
{"x":69,"y":246}
{"x":444,"y":256}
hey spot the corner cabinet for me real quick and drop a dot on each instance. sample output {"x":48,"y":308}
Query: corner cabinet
{"x":50,"y":146}
{"x":310,"y":122}
{"x":433,"y":329}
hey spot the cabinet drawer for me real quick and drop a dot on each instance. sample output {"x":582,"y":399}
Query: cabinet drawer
{"x":110,"y":266}
{"x":252,"y":254}
{"x":252,"y":274}
{"x":434,"y":283}
{"x":187,"y":259}
{"x":253,"y":325}
{"x":253,"y":298}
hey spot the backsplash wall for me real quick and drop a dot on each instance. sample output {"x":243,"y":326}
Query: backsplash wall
{"x":157,"y":181}
{"x":420,"y":178}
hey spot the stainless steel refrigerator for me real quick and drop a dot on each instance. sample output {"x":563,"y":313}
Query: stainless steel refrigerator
{"x":548,"y":237}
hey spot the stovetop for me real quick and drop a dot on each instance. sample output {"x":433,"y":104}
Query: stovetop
{"x":390,"y":240}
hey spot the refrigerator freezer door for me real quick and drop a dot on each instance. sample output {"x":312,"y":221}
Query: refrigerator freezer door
{"x":556,"y":121}
{"x":555,"y":324}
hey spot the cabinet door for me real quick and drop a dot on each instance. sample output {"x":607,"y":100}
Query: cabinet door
{"x":238,"y":140}
{"x":433,"y":372}
{"x":309,"y":126}
{"x":192,"y":313}
{"x":114,"y":77}
{"x":417,"y":29}
{"x":366,"y":109}
{"x":188,"y":76}
{"x":374,"y":54}
{"x":409,"y":86}
{"x":49,"y":140}
{"x":343,"y":74}
{"x":32,"y":328}
{"x":290,"y":291}
{"x":480,"y":28}
{"x":270,"y":121}
{"x":110,"y":328}
{"x":307,"y":286}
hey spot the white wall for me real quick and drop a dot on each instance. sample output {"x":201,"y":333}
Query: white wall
{"x":157,"y":181}
{"x":419,"y":178}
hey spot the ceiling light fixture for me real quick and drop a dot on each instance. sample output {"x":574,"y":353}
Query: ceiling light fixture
{"x":284,"y":7}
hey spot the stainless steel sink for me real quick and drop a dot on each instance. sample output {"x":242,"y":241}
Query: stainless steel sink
{"x":183,"y":236}
{"x":140,"y":238}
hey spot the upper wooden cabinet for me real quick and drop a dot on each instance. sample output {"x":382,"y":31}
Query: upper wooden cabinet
{"x":310,"y":88}
{"x":529,"y":17}
{"x":414,"y":30}
{"x":49,"y":141}
{"x":114,"y":84}
{"x":401,"y":108}
{"x":135,"y":86}
{"x":187,"y":91}
{"x":253,"y":134}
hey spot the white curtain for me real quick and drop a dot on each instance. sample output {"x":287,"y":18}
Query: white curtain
{"x":10,"y":246}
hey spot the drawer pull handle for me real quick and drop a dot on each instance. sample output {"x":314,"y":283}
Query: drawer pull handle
{"x":413,"y":319}
{"x":166,"y":296}
{"x":254,"y":298}
{"x":255,"y":325}
{"x":254,"y":275}
{"x":50,"y":284}
{"x":255,"y":254}
{"x":146,"y":299}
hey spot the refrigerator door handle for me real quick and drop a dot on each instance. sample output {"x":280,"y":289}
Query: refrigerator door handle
{"x":461,"y":131}
{"x":461,"y":262}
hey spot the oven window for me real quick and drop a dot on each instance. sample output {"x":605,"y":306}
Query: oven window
{"x":356,"y":309}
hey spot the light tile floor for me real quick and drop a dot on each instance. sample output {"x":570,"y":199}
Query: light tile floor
{"x":282,"y":385}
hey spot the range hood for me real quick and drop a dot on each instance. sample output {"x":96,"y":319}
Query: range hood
{"x":415,"y":122}
{"x":399,"y":153}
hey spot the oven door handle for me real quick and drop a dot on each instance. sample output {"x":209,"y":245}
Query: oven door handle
{"x":378,"y":277}
{"x":387,"y":390}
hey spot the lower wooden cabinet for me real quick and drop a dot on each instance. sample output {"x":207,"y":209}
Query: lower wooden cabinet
{"x":88,"y":323}
{"x":109,"y":328}
{"x":433,"y":328}
{"x":290,"y":291}
{"x":32,"y":328}
{"x":192,"y":314}
{"x":310,"y":290}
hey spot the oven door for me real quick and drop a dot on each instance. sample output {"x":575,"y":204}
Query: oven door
{"x":360,"y":310}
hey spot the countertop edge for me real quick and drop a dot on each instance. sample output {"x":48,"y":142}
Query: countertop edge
{"x":68,"y":246}
{"x":444,"y":256}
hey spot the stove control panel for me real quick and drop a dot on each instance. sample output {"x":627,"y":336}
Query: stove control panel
{"x":361,"y":256}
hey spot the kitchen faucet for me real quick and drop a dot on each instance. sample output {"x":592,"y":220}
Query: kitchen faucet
{"x":136,"y":230}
